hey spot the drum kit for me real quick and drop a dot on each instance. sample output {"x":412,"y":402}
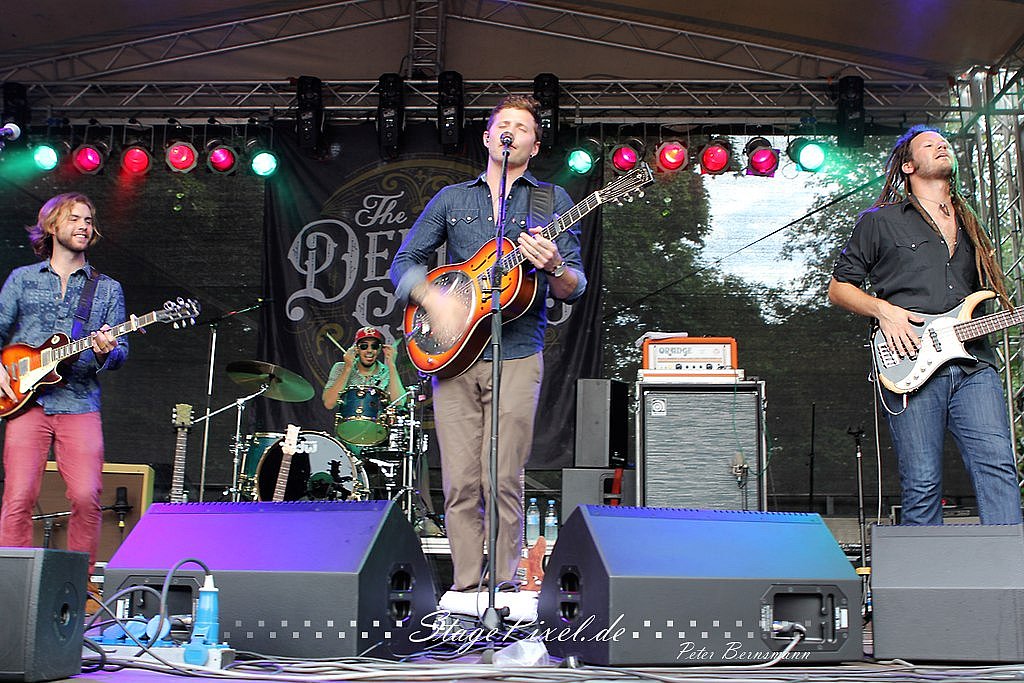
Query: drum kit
{"x":371,"y":455}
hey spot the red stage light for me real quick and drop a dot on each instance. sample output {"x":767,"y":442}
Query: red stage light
{"x":135,"y":160}
{"x":221,"y":159}
{"x":762,"y":159}
{"x":181,"y":157}
{"x":88,"y":158}
{"x":672,"y":156}
{"x":624,"y":158}
{"x":716,"y":157}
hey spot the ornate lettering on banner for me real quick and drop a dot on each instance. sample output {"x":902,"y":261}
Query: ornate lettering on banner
{"x":313,"y":252}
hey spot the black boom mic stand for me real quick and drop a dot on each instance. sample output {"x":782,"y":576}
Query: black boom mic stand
{"x":492,"y":616}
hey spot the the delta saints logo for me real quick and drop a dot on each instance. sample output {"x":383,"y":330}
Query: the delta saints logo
{"x":342,"y":258}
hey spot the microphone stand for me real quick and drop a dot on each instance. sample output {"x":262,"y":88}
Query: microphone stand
{"x":209,"y":388}
{"x":492,"y":617}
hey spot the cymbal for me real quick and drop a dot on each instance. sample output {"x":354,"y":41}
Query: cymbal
{"x":285,"y":385}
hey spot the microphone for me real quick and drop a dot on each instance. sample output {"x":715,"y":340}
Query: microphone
{"x":506,"y":139}
{"x":11,"y":131}
{"x":121,"y":506}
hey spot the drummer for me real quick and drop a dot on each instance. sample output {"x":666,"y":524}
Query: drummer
{"x":362,"y":367}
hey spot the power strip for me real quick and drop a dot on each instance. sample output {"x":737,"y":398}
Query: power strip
{"x":218,"y":658}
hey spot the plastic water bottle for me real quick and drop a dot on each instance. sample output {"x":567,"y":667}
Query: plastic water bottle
{"x":532,"y":522}
{"x":551,"y":522}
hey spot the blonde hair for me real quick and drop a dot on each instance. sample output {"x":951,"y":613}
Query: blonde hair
{"x":55,"y":210}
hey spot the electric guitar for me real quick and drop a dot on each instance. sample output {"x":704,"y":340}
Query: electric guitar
{"x":942,"y":340}
{"x":182,"y":419}
{"x":33,"y":367}
{"x":288,"y":447}
{"x":469,"y":281}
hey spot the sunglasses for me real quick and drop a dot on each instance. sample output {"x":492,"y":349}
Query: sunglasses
{"x":369,"y":345}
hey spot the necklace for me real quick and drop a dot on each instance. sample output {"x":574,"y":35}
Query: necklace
{"x":943,"y":206}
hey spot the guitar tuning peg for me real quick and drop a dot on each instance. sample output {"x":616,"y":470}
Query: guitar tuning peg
{"x":641,"y":194}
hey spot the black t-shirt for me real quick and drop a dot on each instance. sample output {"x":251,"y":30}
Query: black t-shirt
{"x":907,"y":263}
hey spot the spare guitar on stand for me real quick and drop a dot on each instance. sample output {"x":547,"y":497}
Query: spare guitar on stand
{"x":182,"y":419}
{"x":288,"y":447}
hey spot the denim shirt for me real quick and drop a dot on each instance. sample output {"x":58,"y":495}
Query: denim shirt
{"x":32,"y":309}
{"x":461,"y":216}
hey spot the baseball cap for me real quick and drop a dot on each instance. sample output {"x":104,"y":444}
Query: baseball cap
{"x":369,"y":332}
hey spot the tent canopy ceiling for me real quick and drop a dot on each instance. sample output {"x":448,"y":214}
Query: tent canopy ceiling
{"x":922,"y":42}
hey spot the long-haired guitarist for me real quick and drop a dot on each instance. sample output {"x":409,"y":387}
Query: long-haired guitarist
{"x":923,"y":250}
{"x":463,"y":217}
{"x":36,"y":302}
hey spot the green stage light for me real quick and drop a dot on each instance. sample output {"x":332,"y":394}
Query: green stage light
{"x":807,"y":154}
{"x":45,"y":157}
{"x":264,"y":163}
{"x":583,"y":157}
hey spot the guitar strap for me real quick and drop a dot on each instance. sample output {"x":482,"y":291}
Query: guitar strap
{"x":85,"y":304}
{"x":542,"y":204}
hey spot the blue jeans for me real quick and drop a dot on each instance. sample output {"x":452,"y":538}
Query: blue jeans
{"x":971,"y":407}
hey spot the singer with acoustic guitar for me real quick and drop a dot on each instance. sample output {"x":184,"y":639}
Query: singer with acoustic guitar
{"x":923,"y":250}
{"x":463,"y":216}
{"x":60,"y":294}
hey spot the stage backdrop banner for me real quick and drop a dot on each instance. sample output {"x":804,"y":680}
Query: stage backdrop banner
{"x":334,"y":223}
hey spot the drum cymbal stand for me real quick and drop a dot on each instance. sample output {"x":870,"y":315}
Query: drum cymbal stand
{"x":237,"y":457}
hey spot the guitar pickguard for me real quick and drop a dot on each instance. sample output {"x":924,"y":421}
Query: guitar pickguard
{"x":455,"y":283}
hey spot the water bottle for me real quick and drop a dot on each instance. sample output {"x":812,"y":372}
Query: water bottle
{"x":532,"y":522}
{"x":551,"y":522}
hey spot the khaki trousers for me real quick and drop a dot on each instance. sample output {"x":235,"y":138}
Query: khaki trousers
{"x":462,"y":413}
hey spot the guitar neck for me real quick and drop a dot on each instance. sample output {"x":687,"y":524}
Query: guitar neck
{"x":282,"y":477}
{"x":515,"y":258}
{"x":65,"y":351}
{"x":178,"y":477}
{"x":986,"y":324}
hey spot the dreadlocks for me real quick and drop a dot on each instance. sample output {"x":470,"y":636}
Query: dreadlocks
{"x":897,"y":189}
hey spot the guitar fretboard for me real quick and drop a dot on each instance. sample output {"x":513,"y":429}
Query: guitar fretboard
{"x":515,"y":258}
{"x":65,"y":351}
{"x":178,"y":477}
{"x":986,"y":324}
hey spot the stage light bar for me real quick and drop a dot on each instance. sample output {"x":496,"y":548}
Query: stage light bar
{"x":671,"y":156}
{"x":181,"y":157}
{"x":136,"y":160}
{"x":88,"y":158}
{"x":716,"y":157}
{"x":221,"y":158}
{"x":762,"y":158}
{"x":808,"y":155}
{"x":582,"y":158}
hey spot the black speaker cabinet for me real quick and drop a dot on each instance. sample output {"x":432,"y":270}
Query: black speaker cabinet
{"x":640,"y":586}
{"x":701,"y":445}
{"x":42,"y":608}
{"x":602,"y":423}
{"x":594,"y":487}
{"x":298,"y":579}
{"x":948,"y":593}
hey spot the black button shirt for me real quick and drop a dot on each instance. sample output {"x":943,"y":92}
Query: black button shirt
{"x":907,"y":263}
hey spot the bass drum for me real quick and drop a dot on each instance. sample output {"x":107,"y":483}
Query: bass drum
{"x":321,"y":469}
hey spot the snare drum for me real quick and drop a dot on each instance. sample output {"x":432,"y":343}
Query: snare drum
{"x":360,"y":419}
{"x":321,"y":469}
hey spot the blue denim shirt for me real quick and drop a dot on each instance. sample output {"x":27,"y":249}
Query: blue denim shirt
{"x":461,"y":216}
{"x":32,"y":309}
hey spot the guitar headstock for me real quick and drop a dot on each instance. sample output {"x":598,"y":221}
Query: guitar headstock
{"x":182,"y":416}
{"x":181,"y":312}
{"x":291,"y":440}
{"x":626,"y":185}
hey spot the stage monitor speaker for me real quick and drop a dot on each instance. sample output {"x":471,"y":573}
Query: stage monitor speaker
{"x":701,"y":445}
{"x":42,"y":613}
{"x":137,"y":481}
{"x":948,"y":593}
{"x":594,"y":487}
{"x":298,"y":579}
{"x":641,"y":586}
{"x":602,"y":423}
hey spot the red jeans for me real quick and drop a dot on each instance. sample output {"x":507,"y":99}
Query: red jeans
{"x":78,"y":448}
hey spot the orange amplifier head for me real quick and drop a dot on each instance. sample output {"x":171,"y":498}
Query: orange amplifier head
{"x":690,"y":354}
